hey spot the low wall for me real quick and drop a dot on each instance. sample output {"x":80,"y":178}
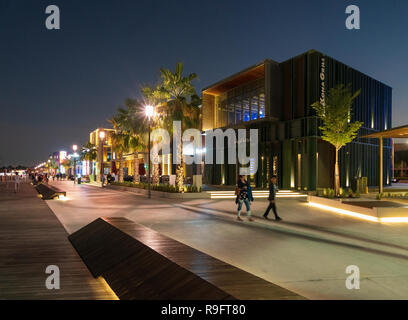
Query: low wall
{"x":161,"y":194}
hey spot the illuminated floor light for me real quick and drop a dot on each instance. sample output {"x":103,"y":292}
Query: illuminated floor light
{"x":344,"y":212}
{"x":394,"y":219}
{"x":360,"y":215}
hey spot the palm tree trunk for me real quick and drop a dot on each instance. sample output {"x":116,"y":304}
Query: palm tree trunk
{"x":180,"y":171}
{"x":336,"y":175}
{"x":136,"y":178}
{"x":155,"y":178}
{"x":121,"y":167}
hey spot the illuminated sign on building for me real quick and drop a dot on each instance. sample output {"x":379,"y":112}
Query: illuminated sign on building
{"x":322,"y":80}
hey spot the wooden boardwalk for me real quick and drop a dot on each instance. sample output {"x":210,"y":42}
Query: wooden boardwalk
{"x":31,"y":238}
{"x":140,"y":263}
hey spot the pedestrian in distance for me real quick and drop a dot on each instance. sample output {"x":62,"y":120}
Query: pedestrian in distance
{"x":244,"y":196}
{"x":16,"y":183}
{"x":273,"y":189}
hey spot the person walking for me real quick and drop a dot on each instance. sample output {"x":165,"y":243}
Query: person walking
{"x":244,"y":196}
{"x":273,"y":189}
{"x":16,"y":183}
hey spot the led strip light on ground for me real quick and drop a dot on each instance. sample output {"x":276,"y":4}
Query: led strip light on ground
{"x":358,"y":215}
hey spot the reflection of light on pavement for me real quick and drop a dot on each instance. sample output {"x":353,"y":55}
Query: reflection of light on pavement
{"x":358,"y":215}
{"x":62,"y":198}
{"x":108,"y":288}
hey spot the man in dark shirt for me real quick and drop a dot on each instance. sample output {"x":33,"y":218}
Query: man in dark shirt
{"x":273,"y":189}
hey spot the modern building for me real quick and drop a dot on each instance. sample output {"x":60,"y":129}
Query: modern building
{"x":275,"y":98}
{"x":401,"y":161}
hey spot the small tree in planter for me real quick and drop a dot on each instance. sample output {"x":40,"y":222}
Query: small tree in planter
{"x":337,"y":129}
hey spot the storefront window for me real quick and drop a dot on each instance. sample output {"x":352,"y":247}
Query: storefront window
{"x":262,"y":105}
{"x":254,"y":108}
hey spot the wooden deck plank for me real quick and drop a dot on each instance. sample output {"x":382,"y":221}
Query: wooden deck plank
{"x":143,"y":259}
{"x":31,"y":238}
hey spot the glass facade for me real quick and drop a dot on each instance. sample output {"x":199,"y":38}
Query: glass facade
{"x":242,"y":104}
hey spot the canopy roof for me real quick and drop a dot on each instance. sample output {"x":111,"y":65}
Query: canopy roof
{"x":252,"y":73}
{"x":398,"y":132}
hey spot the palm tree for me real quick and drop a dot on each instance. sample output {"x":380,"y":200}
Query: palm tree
{"x":89,"y":153}
{"x":120,"y":143}
{"x":181,"y":102}
{"x":67,"y":163}
{"x":129,"y":122}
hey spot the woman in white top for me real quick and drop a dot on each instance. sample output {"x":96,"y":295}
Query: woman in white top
{"x":16,"y":183}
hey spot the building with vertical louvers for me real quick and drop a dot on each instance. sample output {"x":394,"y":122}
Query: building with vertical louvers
{"x":276,"y":99}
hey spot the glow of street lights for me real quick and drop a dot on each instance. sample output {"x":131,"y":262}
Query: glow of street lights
{"x":149,"y":110}
{"x":75,"y":147}
{"x":102,"y":134}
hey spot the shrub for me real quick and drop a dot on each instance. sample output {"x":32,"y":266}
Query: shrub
{"x":330,"y":193}
{"x":156,"y":187}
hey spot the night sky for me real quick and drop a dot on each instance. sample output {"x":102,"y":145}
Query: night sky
{"x":58,"y":85}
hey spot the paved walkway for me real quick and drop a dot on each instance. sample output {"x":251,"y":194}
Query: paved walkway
{"x":31,"y":238}
{"x":306,"y":253}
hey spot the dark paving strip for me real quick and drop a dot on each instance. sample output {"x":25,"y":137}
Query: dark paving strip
{"x":31,"y":238}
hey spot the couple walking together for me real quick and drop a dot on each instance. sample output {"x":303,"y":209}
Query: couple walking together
{"x":243,"y":192}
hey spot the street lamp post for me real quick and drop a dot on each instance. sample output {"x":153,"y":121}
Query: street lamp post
{"x":149,"y":113}
{"x":74,"y":147}
{"x":101,"y":138}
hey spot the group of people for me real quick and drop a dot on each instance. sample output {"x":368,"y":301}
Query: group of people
{"x":244,"y":195}
{"x":37,"y":178}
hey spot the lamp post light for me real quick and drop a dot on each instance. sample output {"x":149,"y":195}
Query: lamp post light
{"x":101,"y":138}
{"x":75,"y":148}
{"x":149,"y":110}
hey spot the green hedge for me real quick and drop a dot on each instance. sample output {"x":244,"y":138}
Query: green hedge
{"x":400,"y":195}
{"x":329,"y":193}
{"x":155,"y":187}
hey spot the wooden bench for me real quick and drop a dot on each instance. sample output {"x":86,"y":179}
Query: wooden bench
{"x":140,"y":263}
{"x":49,"y":192}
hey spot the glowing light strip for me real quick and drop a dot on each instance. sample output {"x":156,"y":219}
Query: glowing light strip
{"x":343,"y":211}
{"x":394,"y":219}
{"x":359,"y":215}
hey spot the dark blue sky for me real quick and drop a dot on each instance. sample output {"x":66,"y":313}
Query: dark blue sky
{"x":56,"y":86}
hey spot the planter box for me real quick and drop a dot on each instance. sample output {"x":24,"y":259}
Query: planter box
{"x":162,"y":194}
